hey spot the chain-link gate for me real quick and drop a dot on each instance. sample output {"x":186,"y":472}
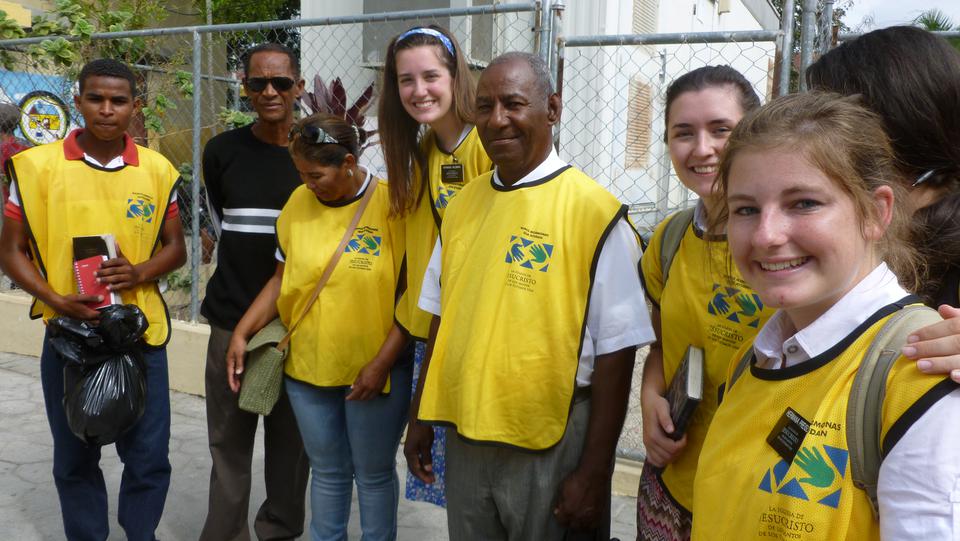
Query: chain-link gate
{"x":613,"y":122}
{"x":189,"y":83}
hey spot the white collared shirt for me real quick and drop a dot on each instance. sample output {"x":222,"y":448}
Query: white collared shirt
{"x":919,"y":485}
{"x":780,"y":345}
{"x":617,"y":317}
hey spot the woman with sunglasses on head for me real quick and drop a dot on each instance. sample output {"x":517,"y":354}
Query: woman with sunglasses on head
{"x":349,"y":391}
{"x":426,"y":82}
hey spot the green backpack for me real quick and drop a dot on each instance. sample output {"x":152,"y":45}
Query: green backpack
{"x":672,"y":235}
{"x":865,"y":406}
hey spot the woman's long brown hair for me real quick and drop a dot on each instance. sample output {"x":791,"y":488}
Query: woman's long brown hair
{"x":400,"y":133}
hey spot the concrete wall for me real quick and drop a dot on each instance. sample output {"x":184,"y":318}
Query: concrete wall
{"x":186,"y":352}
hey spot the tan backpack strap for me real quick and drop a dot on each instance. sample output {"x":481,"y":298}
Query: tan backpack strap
{"x":741,"y":367}
{"x":673,"y":233}
{"x":865,"y":406}
{"x":334,"y":259}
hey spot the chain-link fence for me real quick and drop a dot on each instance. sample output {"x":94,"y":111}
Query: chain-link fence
{"x":189,"y":81}
{"x":613,"y":124}
{"x":613,"y":120}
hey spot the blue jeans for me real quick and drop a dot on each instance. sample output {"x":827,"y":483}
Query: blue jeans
{"x":352,"y":440}
{"x":142,"y":449}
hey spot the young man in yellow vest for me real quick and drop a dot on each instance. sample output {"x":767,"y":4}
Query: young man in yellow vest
{"x":98,"y":181}
{"x":540,"y":313}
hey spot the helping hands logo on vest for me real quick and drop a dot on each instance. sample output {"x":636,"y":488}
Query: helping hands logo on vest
{"x":444,"y":195}
{"x":529,"y":253}
{"x":735,"y":305}
{"x":365,"y":241}
{"x":141,"y":207}
{"x":821,"y":472}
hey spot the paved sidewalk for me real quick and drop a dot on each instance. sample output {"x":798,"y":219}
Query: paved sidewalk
{"x":29,"y":510}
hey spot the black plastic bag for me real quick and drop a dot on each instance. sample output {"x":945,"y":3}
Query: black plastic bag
{"x":104,"y":378}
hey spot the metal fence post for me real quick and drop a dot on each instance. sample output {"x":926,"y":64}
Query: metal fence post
{"x":786,"y":47}
{"x":663,"y":161}
{"x":808,"y":31}
{"x":545,"y":33}
{"x":826,"y":19}
{"x":195,"y":245}
{"x":556,"y":29}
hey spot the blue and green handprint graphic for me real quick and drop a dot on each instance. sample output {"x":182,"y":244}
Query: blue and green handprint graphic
{"x":365,"y":241}
{"x":735,"y":305}
{"x":529,"y":254}
{"x":818,"y":472}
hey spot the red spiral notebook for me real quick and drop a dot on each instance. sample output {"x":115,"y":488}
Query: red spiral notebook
{"x":88,"y":254}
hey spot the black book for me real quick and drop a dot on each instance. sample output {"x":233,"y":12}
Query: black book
{"x":685,"y":391}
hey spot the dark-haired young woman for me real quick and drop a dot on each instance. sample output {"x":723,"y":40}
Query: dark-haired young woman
{"x":704,"y":303}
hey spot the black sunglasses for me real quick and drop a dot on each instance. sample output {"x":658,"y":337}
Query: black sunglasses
{"x":312,"y":134}
{"x":259,"y":84}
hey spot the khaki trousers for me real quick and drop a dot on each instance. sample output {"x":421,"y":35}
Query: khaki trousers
{"x":502,"y":493}
{"x":232,"y":433}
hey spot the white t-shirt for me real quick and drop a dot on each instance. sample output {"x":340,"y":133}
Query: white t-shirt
{"x":617,"y":317}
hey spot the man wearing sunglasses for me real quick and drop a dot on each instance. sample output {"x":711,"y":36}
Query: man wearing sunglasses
{"x":249,"y":175}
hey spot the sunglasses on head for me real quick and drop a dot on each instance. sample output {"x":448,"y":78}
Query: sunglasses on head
{"x":259,"y":84}
{"x":312,"y":134}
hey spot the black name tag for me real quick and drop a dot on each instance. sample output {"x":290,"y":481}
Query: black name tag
{"x":451,"y":173}
{"x":787,"y":436}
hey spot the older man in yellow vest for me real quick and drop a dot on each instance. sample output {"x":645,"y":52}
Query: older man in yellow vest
{"x":539,"y":315}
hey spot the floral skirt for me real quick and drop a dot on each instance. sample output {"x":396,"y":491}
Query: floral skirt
{"x":659,"y":517}
{"x":417,"y":490}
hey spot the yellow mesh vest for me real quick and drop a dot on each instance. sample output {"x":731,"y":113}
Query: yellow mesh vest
{"x":708,"y":305}
{"x":62,"y":199}
{"x":745,"y":490}
{"x":353,"y":315}
{"x":421,"y":224}
{"x":516,"y":273}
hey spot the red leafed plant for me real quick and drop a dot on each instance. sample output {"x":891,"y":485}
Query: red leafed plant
{"x":333,"y":100}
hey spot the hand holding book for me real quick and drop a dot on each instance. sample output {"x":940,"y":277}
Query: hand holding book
{"x":685,"y":390}
{"x":118,"y":273}
{"x":90,"y":253}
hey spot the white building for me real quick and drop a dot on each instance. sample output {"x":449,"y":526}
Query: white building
{"x":612,"y":123}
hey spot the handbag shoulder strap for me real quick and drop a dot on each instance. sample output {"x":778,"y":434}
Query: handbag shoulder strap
{"x":334,"y":259}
